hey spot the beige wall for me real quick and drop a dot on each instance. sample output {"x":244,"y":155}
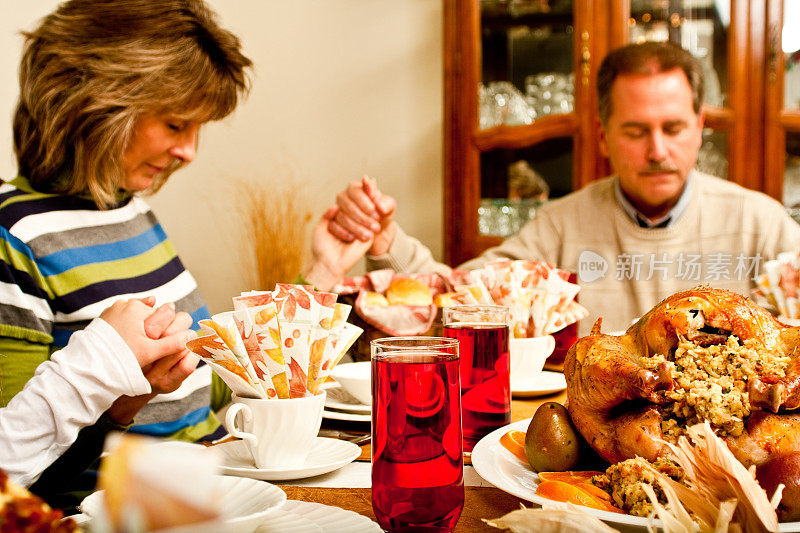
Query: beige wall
{"x":341,"y":88}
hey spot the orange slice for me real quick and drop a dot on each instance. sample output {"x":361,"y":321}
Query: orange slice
{"x":514,"y":441}
{"x":580,"y":479}
{"x":565,"y":492}
{"x":570,"y":476}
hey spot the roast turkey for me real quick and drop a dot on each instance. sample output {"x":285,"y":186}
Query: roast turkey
{"x":700,"y":354}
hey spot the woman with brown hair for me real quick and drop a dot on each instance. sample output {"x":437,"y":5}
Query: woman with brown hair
{"x":113,"y":94}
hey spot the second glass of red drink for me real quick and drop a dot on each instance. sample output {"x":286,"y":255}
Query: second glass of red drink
{"x":482,"y":333}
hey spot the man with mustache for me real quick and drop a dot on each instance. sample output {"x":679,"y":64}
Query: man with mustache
{"x":655,"y":227}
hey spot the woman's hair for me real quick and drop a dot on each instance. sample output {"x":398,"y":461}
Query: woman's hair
{"x":647,"y":58}
{"x":93,"y":67}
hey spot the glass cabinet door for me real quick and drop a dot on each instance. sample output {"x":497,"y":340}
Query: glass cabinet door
{"x":526,"y":104}
{"x":781,"y":71}
{"x":520,"y":106}
{"x":516,"y":182}
{"x":526,"y":61}
{"x":790,"y":50}
{"x":789,"y":116}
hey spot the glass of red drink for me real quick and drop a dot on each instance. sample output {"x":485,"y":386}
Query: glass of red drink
{"x":482,"y":333}
{"x":417,"y":458}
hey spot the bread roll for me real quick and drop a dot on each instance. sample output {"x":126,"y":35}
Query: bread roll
{"x":408,"y":291}
{"x":375,"y":298}
{"x":446,"y":299}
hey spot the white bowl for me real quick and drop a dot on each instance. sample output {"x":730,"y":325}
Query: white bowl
{"x":245,"y":503}
{"x":356,"y":379}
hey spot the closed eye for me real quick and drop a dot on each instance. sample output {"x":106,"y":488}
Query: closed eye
{"x":174,"y":123}
{"x":634,"y":132}
{"x":674,"y":128}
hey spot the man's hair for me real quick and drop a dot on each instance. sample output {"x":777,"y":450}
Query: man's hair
{"x":93,"y":67}
{"x":647,"y":58}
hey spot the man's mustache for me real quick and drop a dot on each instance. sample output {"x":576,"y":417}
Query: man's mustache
{"x":659,"y":168}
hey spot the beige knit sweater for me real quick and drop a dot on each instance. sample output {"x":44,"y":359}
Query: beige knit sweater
{"x":722,"y":239}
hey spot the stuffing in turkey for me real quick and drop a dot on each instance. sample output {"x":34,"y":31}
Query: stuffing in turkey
{"x":701,"y":354}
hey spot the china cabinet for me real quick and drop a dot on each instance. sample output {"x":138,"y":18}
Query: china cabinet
{"x":520,"y":106}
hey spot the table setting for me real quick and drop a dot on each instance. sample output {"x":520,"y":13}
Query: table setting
{"x":492,"y":459}
{"x":298,"y":421}
{"x":452,"y":430}
{"x":416,"y":405}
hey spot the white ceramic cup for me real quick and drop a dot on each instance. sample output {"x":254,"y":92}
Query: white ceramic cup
{"x":528,"y":356}
{"x":279,"y":432}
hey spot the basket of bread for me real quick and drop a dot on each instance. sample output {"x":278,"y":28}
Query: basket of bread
{"x":388,"y":304}
{"x":540,"y":298}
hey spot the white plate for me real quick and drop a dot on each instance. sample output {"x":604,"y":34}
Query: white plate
{"x":326,"y":455}
{"x":546,"y":382}
{"x":338,"y":398}
{"x":342,"y":415}
{"x":280,"y":521}
{"x":505,"y":471}
{"x":246,"y":504}
{"x":332,"y":519}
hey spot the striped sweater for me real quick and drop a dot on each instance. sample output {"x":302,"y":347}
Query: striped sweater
{"x":62,"y":262}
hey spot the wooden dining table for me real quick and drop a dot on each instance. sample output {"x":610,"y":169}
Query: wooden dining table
{"x":480,"y":502}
